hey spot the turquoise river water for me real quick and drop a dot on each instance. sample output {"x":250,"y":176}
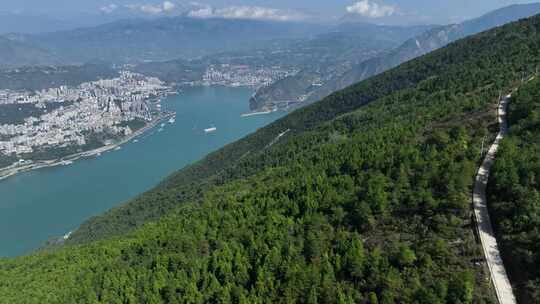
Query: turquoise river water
{"x":41,"y":204}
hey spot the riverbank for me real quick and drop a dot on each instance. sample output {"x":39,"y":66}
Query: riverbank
{"x":45,"y":204}
{"x":258,"y":113}
{"x":16,"y":168}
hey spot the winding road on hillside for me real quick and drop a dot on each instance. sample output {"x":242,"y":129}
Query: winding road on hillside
{"x":498,"y":274}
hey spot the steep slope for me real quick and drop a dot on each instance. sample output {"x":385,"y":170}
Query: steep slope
{"x":417,"y":46}
{"x":500,"y":17}
{"x":394,"y":34}
{"x":425,"y":43}
{"x":407,"y":76}
{"x":333,"y":54}
{"x":514,"y":193}
{"x":366,"y":199}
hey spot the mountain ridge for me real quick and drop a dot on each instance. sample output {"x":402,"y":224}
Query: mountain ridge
{"x":163,"y":38}
{"x":16,"y":53}
{"x":417,"y":46}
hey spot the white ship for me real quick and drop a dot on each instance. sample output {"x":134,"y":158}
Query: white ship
{"x":210,"y":130}
{"x":172,"y":120}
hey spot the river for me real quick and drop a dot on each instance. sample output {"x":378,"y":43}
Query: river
{"x":45,"y":203}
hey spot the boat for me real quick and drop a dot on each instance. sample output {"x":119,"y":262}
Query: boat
{"x":210,"y":130}
{"x":117,"y":148}
{"x":136,"y":141}
{"x":172,"y":120}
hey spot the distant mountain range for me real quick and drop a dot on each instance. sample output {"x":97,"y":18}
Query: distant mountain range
{"x":294,"y":89}
{"x":138,"y":40}
{"x":15,"y":53}
{"x":321,"y":56}
{"x":323,"y":51}
{"x":180,"y":48}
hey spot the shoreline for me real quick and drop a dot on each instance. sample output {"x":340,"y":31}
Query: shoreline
{"x":257,"y":113}
{"x":14,"y":169}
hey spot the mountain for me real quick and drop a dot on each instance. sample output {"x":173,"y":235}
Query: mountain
{"x":363,"y":197}
{"x":137,"y":40}
{"x":346,"y":46}
{"x":257,"y":44}
{"x":328,"y":53}
{"x":415,"y":47}
{"x":499,"y":17}
{"x":15,"y":53}
{"x":395,"y":34}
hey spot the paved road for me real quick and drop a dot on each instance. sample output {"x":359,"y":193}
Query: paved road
{"x":499,"y":277}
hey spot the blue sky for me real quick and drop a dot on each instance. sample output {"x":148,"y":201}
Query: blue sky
{"x":435,"y":11}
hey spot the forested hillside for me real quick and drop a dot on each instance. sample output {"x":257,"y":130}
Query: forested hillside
{"x":514,"y":189}
{"x":365,"y":200}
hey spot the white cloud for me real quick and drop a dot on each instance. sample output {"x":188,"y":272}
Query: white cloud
{"x":151,"y":9}
{"x":371,"y":9}
{"x":168,"y":6}
{"x":107,"y":9}
{"x":245,"y":12}
{"x":203,"y":12}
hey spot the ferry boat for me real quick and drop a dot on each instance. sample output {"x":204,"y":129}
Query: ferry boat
{"x":210,"y":130}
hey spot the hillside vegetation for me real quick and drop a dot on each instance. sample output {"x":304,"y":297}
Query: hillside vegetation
{"x":514,"y":189}
{"x":365,"y":200}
